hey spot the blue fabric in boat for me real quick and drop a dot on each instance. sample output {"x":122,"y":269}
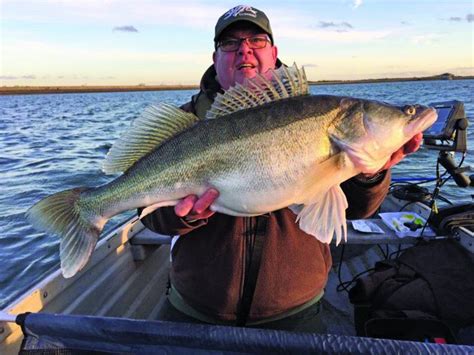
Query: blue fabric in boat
{"x":77,"y":334}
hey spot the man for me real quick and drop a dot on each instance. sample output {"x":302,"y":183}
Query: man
{"x":257,"y":271}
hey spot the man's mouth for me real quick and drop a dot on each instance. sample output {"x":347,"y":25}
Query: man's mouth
{"x":245,"y":66}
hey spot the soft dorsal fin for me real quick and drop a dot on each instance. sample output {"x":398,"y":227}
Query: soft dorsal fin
{"x":155,"y":125}
{"x":285,"y":82}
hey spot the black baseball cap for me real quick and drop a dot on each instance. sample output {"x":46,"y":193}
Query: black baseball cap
{"x":243,"y":13}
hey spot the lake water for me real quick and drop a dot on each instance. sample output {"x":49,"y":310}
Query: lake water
{"x":49,"y":143}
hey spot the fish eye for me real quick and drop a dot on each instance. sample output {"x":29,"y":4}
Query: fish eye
{"x":409,"y":110}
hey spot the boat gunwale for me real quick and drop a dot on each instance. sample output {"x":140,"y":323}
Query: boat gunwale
{"x":44,"y":291}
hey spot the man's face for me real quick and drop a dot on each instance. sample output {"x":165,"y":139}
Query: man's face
{"x":245,"y":62}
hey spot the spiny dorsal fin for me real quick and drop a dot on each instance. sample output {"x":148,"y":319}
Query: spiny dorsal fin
{"x":155,"y":125}
{"x":285,"y":82}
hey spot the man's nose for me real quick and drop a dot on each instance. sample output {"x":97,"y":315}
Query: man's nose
{"x":244,"y":48}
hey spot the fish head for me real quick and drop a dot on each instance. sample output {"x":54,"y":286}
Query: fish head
{"x":392,"y":126}
{"x":372,"y":131}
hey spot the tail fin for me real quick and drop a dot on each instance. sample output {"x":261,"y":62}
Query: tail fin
{"x":62,"y":214}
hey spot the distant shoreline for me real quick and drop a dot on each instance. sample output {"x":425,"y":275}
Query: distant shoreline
{"x":32,"y":90}
{"x":445,"y":76}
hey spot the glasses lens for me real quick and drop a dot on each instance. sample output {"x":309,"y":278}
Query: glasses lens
{"x":233,"y":44}
{"x":229,"y":45}
{"x":257,"y":42}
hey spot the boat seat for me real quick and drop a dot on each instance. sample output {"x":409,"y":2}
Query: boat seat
{"x":148,"y":237}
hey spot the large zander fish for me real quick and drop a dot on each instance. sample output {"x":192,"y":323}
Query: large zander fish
{"x":266,"y":145}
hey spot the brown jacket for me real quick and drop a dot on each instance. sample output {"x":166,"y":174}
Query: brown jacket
{"x":210,"y":260}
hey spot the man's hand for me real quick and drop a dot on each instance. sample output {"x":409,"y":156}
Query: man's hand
{"x":192,"y":208}
{"x":409,"y":147}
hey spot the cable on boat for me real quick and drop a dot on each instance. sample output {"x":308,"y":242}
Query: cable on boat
{"x":344,"y":285}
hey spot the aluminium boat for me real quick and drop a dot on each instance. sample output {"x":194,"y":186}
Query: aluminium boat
{"x":112,"y":304}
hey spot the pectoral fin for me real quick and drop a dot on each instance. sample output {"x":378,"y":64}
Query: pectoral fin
{"x":361,"y":154}
{"x":325,"y":216}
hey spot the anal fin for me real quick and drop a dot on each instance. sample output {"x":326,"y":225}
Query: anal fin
{"x":326,"y":216}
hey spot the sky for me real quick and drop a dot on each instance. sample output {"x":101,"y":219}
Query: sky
{"x":153,"y":42}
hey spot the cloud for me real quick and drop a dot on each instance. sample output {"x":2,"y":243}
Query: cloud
{"x":464,"y":68}
{"x":469,"y":18}
{"x":12,"y":77}
{"x":125,"y":29}
{"x":74,"y":62}
{"x":356,"y":4}
{"x":429,"y":38}
{"x":406,"y":23}
{"x":325,"y":24}
{"x":314,"y":35}
{"x":184,"y":13}
{"x":19,"y":49}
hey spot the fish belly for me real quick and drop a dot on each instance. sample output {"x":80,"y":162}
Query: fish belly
{"x":265,"y":182}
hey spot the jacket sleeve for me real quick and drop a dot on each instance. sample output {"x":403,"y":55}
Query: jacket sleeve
{"x":364,"y":198}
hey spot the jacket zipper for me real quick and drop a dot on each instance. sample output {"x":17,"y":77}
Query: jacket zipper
{"x":249,"y":239}
{"x":251,"y":260}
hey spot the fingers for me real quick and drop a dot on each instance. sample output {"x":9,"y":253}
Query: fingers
{"x":195,"y":208}
{"x":185,"y":205}
{"x":395,"y":158}
{"x":413,"y":144}
{"x":409,"y":147}
{"x":205,"y":201}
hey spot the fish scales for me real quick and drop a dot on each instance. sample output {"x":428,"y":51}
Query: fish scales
{"x":260,"y":143}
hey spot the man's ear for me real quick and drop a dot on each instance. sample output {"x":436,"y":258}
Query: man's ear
{"x":275,"y":53}
{"x":214,"y":57}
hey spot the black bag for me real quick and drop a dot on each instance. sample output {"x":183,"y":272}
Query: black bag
{"x":427,"y":293}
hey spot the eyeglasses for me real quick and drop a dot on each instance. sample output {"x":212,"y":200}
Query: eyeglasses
{"x":233,"y":44}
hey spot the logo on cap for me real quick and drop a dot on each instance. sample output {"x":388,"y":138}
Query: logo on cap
{"x":241,"y":10}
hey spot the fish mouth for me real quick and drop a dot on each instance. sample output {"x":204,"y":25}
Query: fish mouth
{"x":423,"y":119}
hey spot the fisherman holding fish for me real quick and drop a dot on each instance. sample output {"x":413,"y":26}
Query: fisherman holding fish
{"x":255,"y":175}
{"x":215,"y":275}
